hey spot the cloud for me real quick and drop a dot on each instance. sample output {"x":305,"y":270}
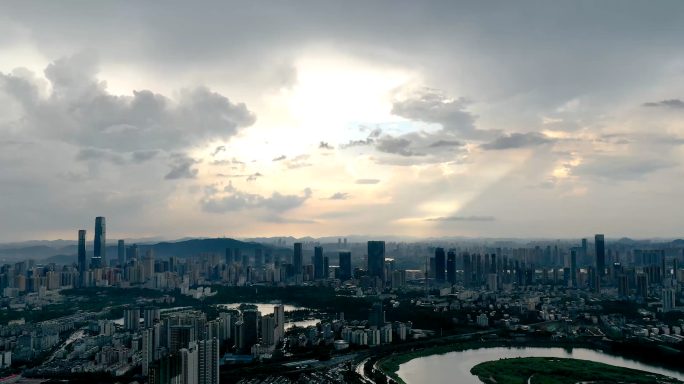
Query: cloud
{"x":96,"y":154}
{"x":366,"y":181}
{"x":357,"y":143}
{"x":324,"y":145}
{"x":446,"y":143}
{"x":619,"y":168}
{"x":238,"y":200}
{"x":81,"y":111}
{"x":517,"y":140}
{"x":232,"y":161}
{"x":375,"y":133}
{"x":338,"y":196}
{"x":220,"y":148}
{"x":433,"y":106}
{"x":142,"y":156}
{"x":299,"y":161}
{"x":399,"y":146}
{"x":279,"y":158}
{"x":461,"y":218}
{"x":181,"y":168}
{"x":277,"y":219}
{"x":673,"y":103}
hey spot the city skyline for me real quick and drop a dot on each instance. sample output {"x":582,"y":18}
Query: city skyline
{"x":318,"y":126}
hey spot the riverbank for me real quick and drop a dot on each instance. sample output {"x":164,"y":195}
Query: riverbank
{"x":547,"y":370}
{"x":390,"y":365}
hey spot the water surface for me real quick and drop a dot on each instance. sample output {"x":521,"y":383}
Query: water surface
{"x":454,"y":367}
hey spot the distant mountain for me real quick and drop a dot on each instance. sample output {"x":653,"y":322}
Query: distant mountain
{"x":32,"y":252}
{"x":181,"y":249}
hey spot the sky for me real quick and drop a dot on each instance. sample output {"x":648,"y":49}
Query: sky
{"x":555,"y":119}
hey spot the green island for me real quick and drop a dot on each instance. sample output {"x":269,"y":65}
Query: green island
{"x":548,"y":370}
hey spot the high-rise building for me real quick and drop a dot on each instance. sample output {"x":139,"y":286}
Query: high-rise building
{"x":150,"y":315}
{"x":189,"y":364}
{"x":642,"y":285}
{"x":600,"y":255}
{"x":237,"y":255}
{"x":180,"y":336}
{"x":279,"y":313}
{"x":491,"y":281}
{"x":148,"y":263}
{"x":133,"y":252}
{"x":298,"y":259}
{"x":623,"y":286}
{"x":345,"y":266}
{"x":376,"y":259}
{"x":268,"y":330}
{"x":440,"y":264}
{"x":229,"y":256}
{"x":250,"y":335}
{"x":146,"y":351}
{"x":451,"y":267}
{"x":208,"y":358}
{"x":131,"y":319}
{"x":467,"y":271}
{"x":258,"y":258}
{"x":376,"y":316}
{"x":82,"y":255}
{"x":318,"y":263}
{"x":122,"y":252}
{"x":100,"y":251}
{"x":573,"y":267}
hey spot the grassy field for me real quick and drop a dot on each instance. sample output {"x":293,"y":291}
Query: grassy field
{"x":551,"y":370}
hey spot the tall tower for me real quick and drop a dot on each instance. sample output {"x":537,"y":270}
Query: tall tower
{"x":440,"y":264}
{"x":82,"y":258}
{"x":100,"y":251}
{"x":298,"y":258}
{"x":318,"y":263}
{"x":345,"y":266}
{"x":451,"y":267}
{"x":122,"y":252}
{"x":600,"y":255}
{"x":376,"y":259}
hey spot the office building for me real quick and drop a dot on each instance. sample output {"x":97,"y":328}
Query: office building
{"x":83,"y":263}
{"x":318,"y":263}
{"x":600,"y":255}
{"x":345,"y":266}
{"x":298,"y":259}
{"x":121,"y":252}
{"x":440,"y":264}
{"x":376,"y":316}
{"x":148,"y":263}
{"x":451,"y":267}
{"x":180,"y":336}
{"x":100,"y":248}
{"x":668,"y":299}
{"x":623,"y":286}
{"x":229,"y":256}
{"x":642,"y":285}
{"x":376,"y":259}
{"x":573,"y":267}
{"x":258,"y":258}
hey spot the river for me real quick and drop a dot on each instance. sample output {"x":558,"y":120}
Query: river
{"x":454,"y":367}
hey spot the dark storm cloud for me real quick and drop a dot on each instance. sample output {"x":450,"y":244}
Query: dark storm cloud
{"x":144,"y":155}
{"x":239,"y":200}
{"x":518,"y":140}
{"x":95,"y":154}
{"x":461,"y":218}
{"x":673,"y":103}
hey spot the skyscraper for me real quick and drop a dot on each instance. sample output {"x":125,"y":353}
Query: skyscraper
{"x":345,"y":266}
{"x":376,"y":316}
{"x":100,"y":251}
{"x":298,"y":259}
{"x":82,"y":256}
{"x":258,"y":258}
{"x":150,"y":314}
{"x":148,"y":263}
{"x":208,"y":358}
{"x":451,"y":267}
{"x":573,"y":266}
{"x":131,"y":319}
{"x":600,"y":255}
{"x":229,"y":256}
{"x":326,"y":267}
{"x":122,"y":252}
{"x":376,"y":259}
{"x":189,"y":364}
{"x":318,"y":263}
{"x":440,"y":264}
